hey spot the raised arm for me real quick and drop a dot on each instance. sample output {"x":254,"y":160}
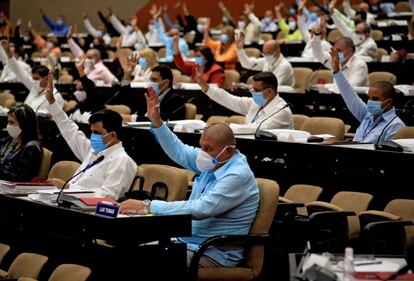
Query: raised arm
{"x":90,"y":28}
{"x":348,"y":9}
{"x":17,"y":68}
{"x":317,"y":50}
{"x":48,"y":22}
{"x":73,"y":46}
{"x":226,"y":13}
{"x":342,"y":27}
{"x":245,"y":61}
{"x":354,"y":103}
{"x":116,"y":23}
{"x":185,"y":67}
{"x":301,"y":22}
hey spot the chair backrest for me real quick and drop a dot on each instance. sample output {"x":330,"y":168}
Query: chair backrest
{"x":190,"y":111}
{"x":238,"y":119}
{"x":377,"y":34}
{"x":70,"y":272}
{"x":252,"y":52}
{"x":4,"y":249}
{"x":269,"y":197}
{"x":405,"y":133}
{"x":45,"y":163}
{"x":333,"y":35}
{"x":175,"y":179}
{"x":7,"y":100}
{"x":230,"y":76}
{"x":114,"y":40}
{"x":381,"y":76}
{"x":302,"y":76}
{"x":27,"y":265}
{"x":325,"y":125}
{"x":303,"y":193}
{"x":405,"y":209}
{"x":321,"y":76}
{"x":120,"y":108}
{"x":266,"y":36}
{"x":380,"y":53}
{"x":352,"y":201}
{"x":63,"y":170}
{"x":69,"y":105}
{"x":402,"y":6}
{"x":298,"y":120}
{"x":183,"y":79}
{"x":217,"y":119}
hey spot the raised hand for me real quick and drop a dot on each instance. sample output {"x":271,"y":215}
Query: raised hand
{"x":109,"y":9}
{"x":176,"y":40}
{"x":301,"y":6}
{"x":70,"y":32}
{"x":130,"y":64}
{"x":221,"y":6}
{"x":30,"y":25}
{"x":49,"y":89}
{"x":240,"y":37}
{"x":19,"y":22}
{"x":41,"y":11}
{"x":247,"y":9}
{"x":80,"y":65}
{"x":6,"y":46}
{"x":84,"y":15}
{"x":153,"y":107}
{"x":335,"y":59}
{"x":153,"y":9}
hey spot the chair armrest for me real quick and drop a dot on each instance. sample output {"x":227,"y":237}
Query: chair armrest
{"x":389,"y":224}
{"x":285,"y":210}
{"x":317,"y":206}
{"x":333,"y":214}
{"x":284,"y":200}
{"x":224,"y":240}
{"x":379,"y":215}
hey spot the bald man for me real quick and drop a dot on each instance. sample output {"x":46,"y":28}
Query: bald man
{"x":224,"y":198}
{"x":95,"y":69}
{"x":272,"y":61}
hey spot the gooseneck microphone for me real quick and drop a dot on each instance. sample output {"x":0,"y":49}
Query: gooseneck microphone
{"x":267,"y":135}
{"x":60,"y":199}
{"x":177,"y":109}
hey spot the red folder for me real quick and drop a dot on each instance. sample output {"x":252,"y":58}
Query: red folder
{"x":95,"y":200}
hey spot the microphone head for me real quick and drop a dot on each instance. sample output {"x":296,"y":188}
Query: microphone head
{"x":100,"y":159}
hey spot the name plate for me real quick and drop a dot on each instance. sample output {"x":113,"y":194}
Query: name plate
{"x":107,"y":210}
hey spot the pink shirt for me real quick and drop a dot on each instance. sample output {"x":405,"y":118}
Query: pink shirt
{"x":99,"y":72}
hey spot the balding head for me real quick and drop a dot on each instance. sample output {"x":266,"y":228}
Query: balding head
{"x":270,"y":47}
{"x":218,"y":141}
{"x":93,"y":54}
{"x":221,"y":134}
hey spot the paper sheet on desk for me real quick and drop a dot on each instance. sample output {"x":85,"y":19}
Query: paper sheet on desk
{"x":331,"y":87}
{"x":188,"y":126}
{"x":77,"y":116}
{"x":407,"y":144}
{"x":384,"y":266}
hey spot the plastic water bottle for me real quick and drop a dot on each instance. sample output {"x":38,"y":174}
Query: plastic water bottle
{"x":348,"y":268}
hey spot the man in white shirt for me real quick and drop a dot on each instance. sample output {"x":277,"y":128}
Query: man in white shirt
{"x":96,"y":33}
{"x":264,"y":102}
{"x":272,"y":61}
{"x":251,"y":24}
{"x":354,"y":68}
{"x":307,"y":36}
{"x":95,"y":69}
{"x":131,"y":35}
{"x":7,"y":75}
{"x":35,"y":83}
{"x":111,"y":177}
{"x":366,"y":48}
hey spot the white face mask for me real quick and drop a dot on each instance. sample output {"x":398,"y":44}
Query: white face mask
{"x":14,"y":131}
{"x":269,"y":59}
{"x":36,"y":84}
{"x":80,"y":95}
{"x":205,"y":162}
{"x":241,"y":24}
{"x":358,"y":38}
{"x":200,"y":27}
{"x":89,"y":62}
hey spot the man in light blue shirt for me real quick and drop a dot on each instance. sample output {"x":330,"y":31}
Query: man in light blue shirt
{"x":378,"y":118}
{"x":224,"y":199}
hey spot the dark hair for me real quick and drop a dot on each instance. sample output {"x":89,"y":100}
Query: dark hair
{"x":19,"y":50}
{"x":165,"y":73}
{"x":349,"y":43}
{"x":111,"y":120}
{"x":268,"y":80}
{"x":361,"y":13}
{"x":27,"y":121}
{"x":387,"y":89}
{"x":41,"y":70}
{"x":208,"y":55}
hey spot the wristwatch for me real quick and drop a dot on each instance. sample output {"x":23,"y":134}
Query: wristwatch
{"x":147,"y":206}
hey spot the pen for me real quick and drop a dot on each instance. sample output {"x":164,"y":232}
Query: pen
{"x":368,"y":263}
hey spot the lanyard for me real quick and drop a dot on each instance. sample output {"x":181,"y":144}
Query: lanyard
{"x":207,"y":181}
{"x":365,"y":134}
{"x":257,"y":114}
{"x":7,"y":157}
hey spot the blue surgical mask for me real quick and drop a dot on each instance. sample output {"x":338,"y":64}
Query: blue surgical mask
{"x":143,"y":63}
{"x":292,"y":11}
{"x":155,"y":87}
{"x":224,"y":38}
{"x":258,"y":98}
{"x":341,"y":56}
{"x":199,"y":60}
{"x":97,"y":142}
{"x":292,"y":25}
{"x":374,"y":107}
{"x":374,"y":9}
